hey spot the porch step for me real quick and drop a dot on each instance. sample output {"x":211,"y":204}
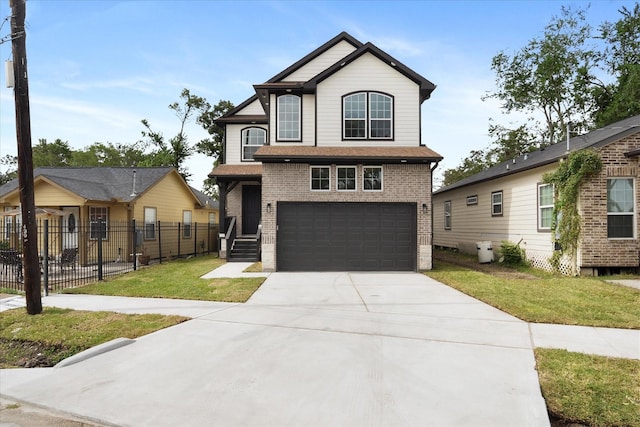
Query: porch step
{"x":244,"y":250}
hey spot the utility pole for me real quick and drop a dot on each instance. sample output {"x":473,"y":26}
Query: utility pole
{"x":29,"y":232}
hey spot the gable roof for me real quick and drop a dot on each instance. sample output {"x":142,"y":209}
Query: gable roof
{"x":100,"y":184}
{"x":426,"y":87}
{"x":343,"y":36}
{"x":595,"y":139}
{"x":276,"y":83}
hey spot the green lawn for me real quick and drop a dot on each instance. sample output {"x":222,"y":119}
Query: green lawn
{"x":178,"y":279}
{"x":583,"y":389}
{"x":548,"y":298}
{"x":55,"y":334}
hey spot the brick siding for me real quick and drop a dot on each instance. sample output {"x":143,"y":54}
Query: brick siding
{"x":401,"y":183}
{"x":596,"y":250}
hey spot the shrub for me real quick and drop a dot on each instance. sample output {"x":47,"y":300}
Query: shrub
{"x":512,"y":253}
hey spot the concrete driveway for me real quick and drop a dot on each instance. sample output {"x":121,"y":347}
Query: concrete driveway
{"x":312,"y":349}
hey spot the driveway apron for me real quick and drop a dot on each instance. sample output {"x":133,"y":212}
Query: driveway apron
{"x":313,"y":349}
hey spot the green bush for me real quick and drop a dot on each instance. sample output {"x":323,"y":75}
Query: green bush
{"x":512,"y":253}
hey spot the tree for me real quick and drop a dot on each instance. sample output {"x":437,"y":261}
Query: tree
{"x":552,"y":75}
{"x":213,"y":146}
{"x":621,"y":99}
{"x":53,"y":154}
{"x":178,"y":149}
{"x":109,"y":154}
{"x":12,"y":172}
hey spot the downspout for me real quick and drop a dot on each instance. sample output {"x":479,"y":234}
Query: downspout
{"x":431,"y":225}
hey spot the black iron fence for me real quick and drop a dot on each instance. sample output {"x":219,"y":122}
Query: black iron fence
{"x":74,"y":254}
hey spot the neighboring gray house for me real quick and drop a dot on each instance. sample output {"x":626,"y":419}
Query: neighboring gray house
{"x":324,"y":167}
{"x":510,"y":202}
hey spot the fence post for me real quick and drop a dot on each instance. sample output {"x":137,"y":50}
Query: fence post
{"x":160,"y":242}
{"x":195,"y":239}
{"x":179,"y":239}
{"x":45,"y":259}
{"x":134,"y":244}
{"x":100,"y":228}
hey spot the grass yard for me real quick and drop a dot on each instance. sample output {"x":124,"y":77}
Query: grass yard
{"x":178,"y":279}
{"x":55,"y":334}
{"x":547,"y":298}
{"x":589,"y":390}
{"x":579,"y":389}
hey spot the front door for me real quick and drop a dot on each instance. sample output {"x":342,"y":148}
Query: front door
{"x":251,"y":205}
{"x":70,"y":222}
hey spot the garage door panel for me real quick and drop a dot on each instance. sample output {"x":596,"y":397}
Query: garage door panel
{"x":346,"y":236}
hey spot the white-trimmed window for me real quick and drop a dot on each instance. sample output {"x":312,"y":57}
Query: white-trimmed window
{"x":212,"y":218}
{"x":186,"y":224}
{"x":346,"y":178}
{"x":372,"y":178}
{"x":496,"y":203}
{"x":150,"y":219}
{"x":289,"y":118}
{"x":252,"y":139}
{"x":367,"y":115}
{"x":545,"y":206}
{"x":320,"y":178}
{"x":98,"y":222}
{"x":447,"y":215}
{"x":620,"y":208}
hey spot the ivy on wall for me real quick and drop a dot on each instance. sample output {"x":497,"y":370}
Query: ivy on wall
{"x":567,"y":180}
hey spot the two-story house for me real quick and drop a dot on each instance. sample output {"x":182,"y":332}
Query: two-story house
{"x":324,"y":167}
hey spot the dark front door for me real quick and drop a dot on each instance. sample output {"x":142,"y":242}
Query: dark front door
{"x":346,"y":236}
{"x":251,"y":202}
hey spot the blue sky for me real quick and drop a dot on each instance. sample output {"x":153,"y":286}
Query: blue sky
{"x":97,"y":68}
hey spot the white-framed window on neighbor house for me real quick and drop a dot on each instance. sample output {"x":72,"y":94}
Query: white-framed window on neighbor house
{"x":447,"y":215}
{"x":346,"y":178}
{"x":186,"y":224}
{"x":367,"y":115}
{"x":496,"y":203}
{"x":372,"y":178}
{"x":289,"y":115}
{"x":545,"y":207}
{"x":212,"y":218}
{"x":98,"y":222}
{"x":620,"y":208}
{"x":252,"y":139}
{"x":320,"y":178}
{"x":150,"y":219}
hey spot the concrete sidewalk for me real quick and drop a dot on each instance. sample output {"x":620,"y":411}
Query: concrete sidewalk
{"x":316,"y":348}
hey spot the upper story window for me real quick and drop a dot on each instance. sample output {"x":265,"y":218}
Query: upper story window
{"x":367,"y":115}
{"x":252,"y":139}
{"x":545,"y":206}
{"x":289,"y":118}
{"x":620,"y":208}
{"x":496,"y":203}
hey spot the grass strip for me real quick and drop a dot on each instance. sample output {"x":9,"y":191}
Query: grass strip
{"x":548,"y":298}
{"x":60,"y":333}
{"x":179,"y":279}
{"x":590,"y":390}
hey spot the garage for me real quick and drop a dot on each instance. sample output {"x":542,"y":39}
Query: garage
{"x":346,"y":236}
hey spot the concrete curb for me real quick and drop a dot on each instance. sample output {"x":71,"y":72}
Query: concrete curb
{"x":94,"y":351}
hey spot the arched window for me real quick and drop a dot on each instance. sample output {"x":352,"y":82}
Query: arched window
{"x":252,"y":139}
{"x":367,"y":115}
{"x":289,"y":118}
